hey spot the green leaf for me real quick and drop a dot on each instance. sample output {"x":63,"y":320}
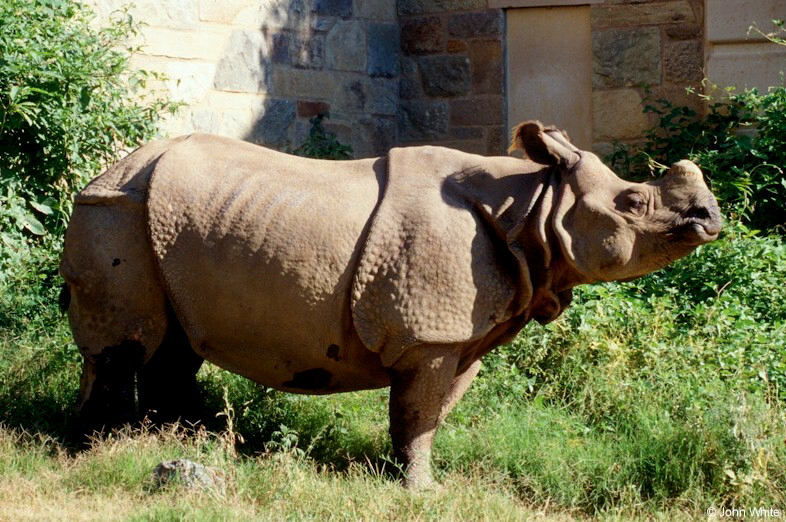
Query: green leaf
{"x":33,"y":225}
{"x":43,"y":207}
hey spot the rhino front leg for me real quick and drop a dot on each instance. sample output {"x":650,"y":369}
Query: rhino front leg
{"x":421,"y":385}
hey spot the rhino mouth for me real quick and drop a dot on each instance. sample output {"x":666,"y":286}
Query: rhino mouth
{"x":697,"y":232}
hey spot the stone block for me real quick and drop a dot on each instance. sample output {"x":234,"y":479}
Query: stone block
{"x":457,"y":46}
{"x":299,"y":50}
{"x":280,"y":51}
{"x":278,"y":14}
{"x":172,"y":14}
{"x":235,"y":124}
{"x":189,"y":81}
{"x":203,"y":120}
{"x":496,"y":141}
{"x":470,"y":25}
{"x":350,"y":97}
{"x":684,"y":31}
{"x":226,"y":11}
{"x":625,"y":57}
{"x":650,"y":13}
{"x":422,"y":120}
{"x":338,"y":8}
{"x":683,"y":62}
{"x":273,"y":122}
{"x":383,"y":97}
{"x":618,"y":115}
{"x":479,"y":110}
{"x":309,"y":109}
{"x":417,"y":7}
{"x":303,"y":83}
{"x":468,"y":146}
{"x":410,"y":85}
{"x":466,"y":133}
{"x":343,"y":132}
{"x":189,"y":45}
{"x":373,"y":137}
{"x":322,"y":23}
{"x":376,"y":10}
{"x":488,"y":73}
{"x":346,"y":47}
{"x":307,"y":52}
{"x":244,"y":66}
{"x":383,"y":49}
{"x":445,"y":75}
{"x":423,"y":35}
{"x":728,"y":21}
{"x":746,"y":65}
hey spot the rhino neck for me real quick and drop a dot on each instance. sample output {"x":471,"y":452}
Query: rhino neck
{"x":536,"y":246}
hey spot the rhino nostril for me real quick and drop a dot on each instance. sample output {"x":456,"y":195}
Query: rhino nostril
{"x":699,"y":213}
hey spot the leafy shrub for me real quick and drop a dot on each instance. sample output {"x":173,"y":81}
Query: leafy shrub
{"x":68,"y":106}
{"x":321,"y":143}
{"x":740,"y":143}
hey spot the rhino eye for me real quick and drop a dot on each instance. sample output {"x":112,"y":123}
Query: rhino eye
{"x":636,"y":203}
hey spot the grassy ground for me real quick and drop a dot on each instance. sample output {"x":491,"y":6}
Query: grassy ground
{"x":655,"y":400}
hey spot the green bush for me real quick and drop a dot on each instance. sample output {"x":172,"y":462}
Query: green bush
{"x":69,"y":104}
{"x":321,"y":143}
{"x":740,"y":144}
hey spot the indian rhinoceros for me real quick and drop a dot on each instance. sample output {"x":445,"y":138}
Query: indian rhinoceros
{"x":315,"y":277}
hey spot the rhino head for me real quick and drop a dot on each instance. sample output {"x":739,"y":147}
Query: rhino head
{"x":612,"y":229}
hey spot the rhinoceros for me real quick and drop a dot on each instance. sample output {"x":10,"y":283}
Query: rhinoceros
{"x":316,"y":277}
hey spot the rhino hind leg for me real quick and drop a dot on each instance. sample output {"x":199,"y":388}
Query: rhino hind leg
{"x":116,"y":307}
{"x":166,"y":384}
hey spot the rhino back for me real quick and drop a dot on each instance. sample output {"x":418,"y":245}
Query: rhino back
{"x":257,"y":251}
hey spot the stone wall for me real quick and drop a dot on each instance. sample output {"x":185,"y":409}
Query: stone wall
{"x":259,"y":69}
{"x":452,"y":75}
{"x":642,"y":49}
{"x":397,"y":72}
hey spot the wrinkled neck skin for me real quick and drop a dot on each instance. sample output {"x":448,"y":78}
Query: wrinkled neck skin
{"x":520,"y":213}
{"x":537,"y":248}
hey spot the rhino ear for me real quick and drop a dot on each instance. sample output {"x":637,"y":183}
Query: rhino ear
{"x":544,"y":146}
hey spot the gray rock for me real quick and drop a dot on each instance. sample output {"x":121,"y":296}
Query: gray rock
{"x":382,"y":97}
{"x":421,"y":120}
{"x":414,"y":7}
{"x":346,"y":47}
{"x":383,"y":50}
{"x":245,"y":65}
{"x":191,"y":474}
{"x":307,"y":51}
{"x":272,"y":123}
{"x":683,"y":62}
{"x":340,"y":8}
{"x":479,"y":110}
{"x":409,"y":82}
{"x":423,"y":35}
{"x":373,"y":137}
{"x":446,"y":75}
{"x":484,"y":23}
{"x":625,"y":57}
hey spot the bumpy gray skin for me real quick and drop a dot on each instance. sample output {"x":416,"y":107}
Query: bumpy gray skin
{"x":319,"y":277}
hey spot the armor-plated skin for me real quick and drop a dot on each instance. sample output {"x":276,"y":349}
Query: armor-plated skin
{"x":314,"y":276}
